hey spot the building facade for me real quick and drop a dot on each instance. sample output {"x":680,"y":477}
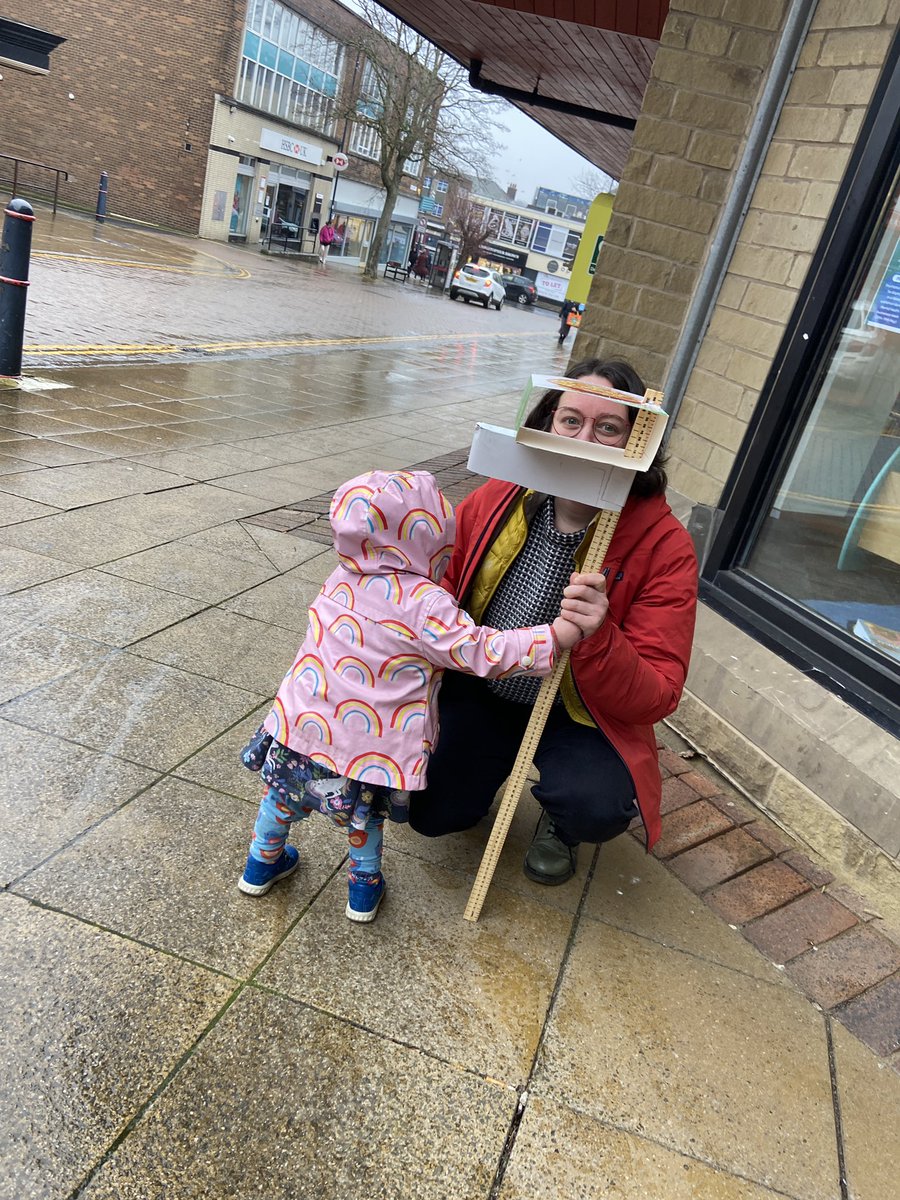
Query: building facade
{"x":216,"y":119}
{"x":752,"y":268}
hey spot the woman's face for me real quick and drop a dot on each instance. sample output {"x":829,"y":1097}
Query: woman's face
{"x":591,"y":418}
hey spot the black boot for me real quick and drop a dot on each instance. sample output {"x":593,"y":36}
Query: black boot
{"x":549,"y":860}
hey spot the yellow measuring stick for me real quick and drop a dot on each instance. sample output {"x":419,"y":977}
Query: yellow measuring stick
{"x":596,"y":553}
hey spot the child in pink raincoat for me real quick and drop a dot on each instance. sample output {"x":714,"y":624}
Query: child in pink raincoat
{"x":355,"y":719}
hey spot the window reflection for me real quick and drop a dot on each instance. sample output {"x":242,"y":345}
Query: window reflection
{"x":832,"y":537}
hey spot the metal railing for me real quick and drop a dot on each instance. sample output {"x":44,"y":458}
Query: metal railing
{"x":27,"y":162}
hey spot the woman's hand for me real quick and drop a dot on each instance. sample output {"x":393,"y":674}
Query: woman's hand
{"x":583,"y":609}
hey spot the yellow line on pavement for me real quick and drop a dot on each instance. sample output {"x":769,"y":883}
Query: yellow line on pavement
{"x":225,"y":272}
{"x":127,"y":348}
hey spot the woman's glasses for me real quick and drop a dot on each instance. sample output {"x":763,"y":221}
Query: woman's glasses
{"x":610,"y":429}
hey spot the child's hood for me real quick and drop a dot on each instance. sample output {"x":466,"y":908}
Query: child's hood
{"x":386,"y":521}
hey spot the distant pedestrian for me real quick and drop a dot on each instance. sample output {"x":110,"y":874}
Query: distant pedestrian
{"x":327,"y":236}
{"x":422,"y":265}
{"x":569,"y":318}
{"x":351,"y":729}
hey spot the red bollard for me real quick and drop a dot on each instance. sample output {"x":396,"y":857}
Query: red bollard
{"x":15,"y":255}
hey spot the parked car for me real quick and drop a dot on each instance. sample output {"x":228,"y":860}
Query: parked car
{"x":478,"y":283}
{"x":285,"y":229}
{"x":520,"y":289}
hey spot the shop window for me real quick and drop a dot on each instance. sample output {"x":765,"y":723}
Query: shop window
{"x":808,"y":547}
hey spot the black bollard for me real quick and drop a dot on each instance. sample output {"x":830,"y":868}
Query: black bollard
{"x":15,"y":255}
{"x":102,"y":196}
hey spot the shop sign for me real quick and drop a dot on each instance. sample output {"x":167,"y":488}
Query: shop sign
{"x":885,"y":311}
{"x":552,"y":287}
{"x":509,"y":258}
{"x":281,"y":143}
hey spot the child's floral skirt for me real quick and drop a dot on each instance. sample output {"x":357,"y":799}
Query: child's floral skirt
{"x":294,"y":776}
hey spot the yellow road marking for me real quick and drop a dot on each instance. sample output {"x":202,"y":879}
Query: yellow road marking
{"x":225,"y":271}
{"x":125,"y":348}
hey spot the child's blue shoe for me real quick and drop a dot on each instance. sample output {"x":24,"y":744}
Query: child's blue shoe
{"x":366,"y":892}
{"x":259,"y":876}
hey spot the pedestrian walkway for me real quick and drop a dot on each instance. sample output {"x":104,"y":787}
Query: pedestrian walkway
{"x":167,"y":1037}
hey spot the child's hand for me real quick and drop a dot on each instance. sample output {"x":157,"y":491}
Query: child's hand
{"x":583,"y":609}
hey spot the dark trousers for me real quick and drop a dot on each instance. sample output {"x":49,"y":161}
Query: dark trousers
{"x":585,"y":787}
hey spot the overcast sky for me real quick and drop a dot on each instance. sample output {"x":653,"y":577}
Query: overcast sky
{"x":534,"y":158}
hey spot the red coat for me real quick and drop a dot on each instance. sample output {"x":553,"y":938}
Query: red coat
{"x":631,"y":673}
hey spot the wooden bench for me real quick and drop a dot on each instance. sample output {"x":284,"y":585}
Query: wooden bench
{"x":396,"y":270}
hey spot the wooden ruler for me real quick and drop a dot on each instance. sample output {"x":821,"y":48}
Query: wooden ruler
{"x":593,"y":561}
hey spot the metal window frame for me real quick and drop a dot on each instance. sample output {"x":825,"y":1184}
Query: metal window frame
{"x":864,"y":678}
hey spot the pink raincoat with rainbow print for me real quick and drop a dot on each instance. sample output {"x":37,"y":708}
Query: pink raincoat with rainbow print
{"x":360,"y":697}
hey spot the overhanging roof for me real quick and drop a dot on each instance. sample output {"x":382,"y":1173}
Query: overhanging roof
{"x":591,"y":55}
{"x":26,"y":48}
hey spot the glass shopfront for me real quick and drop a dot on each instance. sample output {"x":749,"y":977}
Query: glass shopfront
{"x":807,"y":548}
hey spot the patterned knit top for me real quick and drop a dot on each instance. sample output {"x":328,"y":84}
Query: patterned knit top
{"x":531,"y":591}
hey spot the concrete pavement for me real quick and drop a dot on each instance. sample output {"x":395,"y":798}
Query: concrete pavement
{"x":616,"y":1037}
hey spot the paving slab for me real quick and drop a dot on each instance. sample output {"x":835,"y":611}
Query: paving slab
{"x":190,"y":571}
{"x":281,"y":1100}
{"x":636,"y":894}
{"x":150,"y":714}
{"x":82,"y":536}
{"x":37,"y":655}
{"x":472,"y":994}
{"x":218,"y":766}
{"x":40,"y":811}
{"x":100,"y":606}
{"x":16,"y":509}
{"x":870,"y":1107}
{"x":92,"y":1026}
{"x":22,"y":568}
{"x":128,"y":874}
{"x":89,"y":483}
{"x":283,"y":601}
{"x":228,"y":647}
{"x":692,"y":1056}
{"x":845,"y":966}
{"x":560,"y":1154}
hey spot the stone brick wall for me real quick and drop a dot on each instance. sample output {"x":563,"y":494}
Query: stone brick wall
{"x":706,"y":81}
{"x":143,"y":79}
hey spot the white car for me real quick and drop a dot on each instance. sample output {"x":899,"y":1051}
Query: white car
{"x":478,"y":283}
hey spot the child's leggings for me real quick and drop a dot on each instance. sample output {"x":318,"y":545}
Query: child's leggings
{"x":278,"y":812}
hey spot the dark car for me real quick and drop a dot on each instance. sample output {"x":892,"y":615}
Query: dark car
{"x":520,"y":289}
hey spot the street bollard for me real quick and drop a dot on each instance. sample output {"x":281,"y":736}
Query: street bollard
{"x":15,"y":254}
{"x":102,"y":196}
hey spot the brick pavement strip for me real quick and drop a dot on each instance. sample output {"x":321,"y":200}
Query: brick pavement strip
{"x":719,"y":859}
{"x":688,"y":826}
{"x":676,"y":794}
{"x":874,"y":1017}
{"x":813,"y":919}
{"x":759,"y":891}
{"x":846,"y":966}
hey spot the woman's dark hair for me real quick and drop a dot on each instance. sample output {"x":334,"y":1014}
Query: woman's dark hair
{"x":624,"y":378}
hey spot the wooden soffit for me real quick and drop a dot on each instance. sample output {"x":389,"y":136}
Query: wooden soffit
{"x":586,"y":56}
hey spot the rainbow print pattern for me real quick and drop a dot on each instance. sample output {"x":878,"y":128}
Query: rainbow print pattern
{"x":398,"y":663}
{"x":372,"y":551}
{"x":342,"y":594}
{"x":354,"y":670}
{"x":434,"y":628}
{"x":404,"y":714}
{"x":350,"y":711}
{"x":376,"y":768}
{"x":424,"y":589}
{"x":399,"y":627}
{"x":348,"y":629}
{"x":461,"y":653}
{"x":361,"y":494}
{"x":419,"y":518}
{"x":280,"y":732}
{"x":324,"y":760}
{"x":316,"y":628}
{"x":309,"y":671}
{"x":439,"y":562}
{"x":376,"y":521}
{"x":315,"y":725}
{"x":387,"y":586}
{"x":400,"y":481}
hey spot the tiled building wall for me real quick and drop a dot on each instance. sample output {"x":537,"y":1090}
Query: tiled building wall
{"x":142,"y":89}
{"x":699,"y":104}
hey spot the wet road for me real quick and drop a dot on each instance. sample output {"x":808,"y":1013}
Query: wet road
{"x":101,"y":291}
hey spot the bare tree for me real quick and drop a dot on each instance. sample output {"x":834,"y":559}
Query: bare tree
{"x":420,"y":108}
{"x":590,"y":183}
{"x":468,"y":224}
